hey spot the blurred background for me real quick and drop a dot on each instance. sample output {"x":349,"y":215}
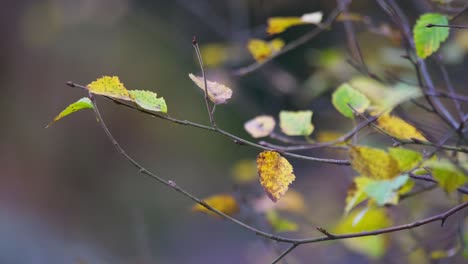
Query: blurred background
{"x":66,"y":195}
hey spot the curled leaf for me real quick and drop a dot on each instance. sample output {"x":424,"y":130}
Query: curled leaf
{"x":110,"y":86}
{"x":260,"y":126}
{"x":225,"y":203}
{"x":149,"y":101}
{"x":83,"y":103}
{"x":276,"y":173}
{"x":262,"y":50}
{"x":296,"y":123}
{"x":217,"y":92}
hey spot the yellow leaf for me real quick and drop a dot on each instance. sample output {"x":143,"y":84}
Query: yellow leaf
{"x":223,"y":202}
{"x":244,"y":171}
{"x":110,"y":86}
{"x":279,"y":24}
{"x":373,"y":163}
{"x":399,"y":128}
{"x":367,"y":219}
{"x":260,"y":126}
{"x":217,"y":92}
{"x":276,"y":173}
{"x":262,"y":50}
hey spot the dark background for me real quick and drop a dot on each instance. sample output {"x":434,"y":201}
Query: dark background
{"x":66,"y":195}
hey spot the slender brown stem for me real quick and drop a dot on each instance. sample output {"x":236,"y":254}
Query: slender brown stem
{"x":220,"y":131}
{"x":447,"y":26}
{"x":209,"y":109}
{"x":294,"y":44}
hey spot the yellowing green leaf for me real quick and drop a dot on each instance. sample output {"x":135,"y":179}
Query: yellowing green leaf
{"x":223,"y":202}
{"x":346,"y":96}
{"x":149,"y":101}
{"x":356,"y":194}
{"x":367,"y":219}
{"x":260,"y":126}
{"x":83,"y":103}
{"x":428,"y":39}
{"x":448,"y":175}
{"x":110,"y":86}
{"x":405,"y":158}
{"x":385,"y":191}
{"x":373,"y":163}
{"x":296,"y":123}
{"x":383,"y":97}
{"x":217,"y":92}
{"x":244,"y":171}
{"x":280,"y":224}
{"x":399,"y":128}
{"x":262,"y":50}
{"x":276,"y":173}
{"x":279,"y":24}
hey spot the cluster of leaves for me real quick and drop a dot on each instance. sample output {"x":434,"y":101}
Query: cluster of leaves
{"x":382,"y":175}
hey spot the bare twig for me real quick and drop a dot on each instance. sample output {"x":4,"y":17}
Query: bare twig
{"x":209,"y":109}
{"x":294,"y":44}
{"x":220,"y":131}
{"x":447,"y":26}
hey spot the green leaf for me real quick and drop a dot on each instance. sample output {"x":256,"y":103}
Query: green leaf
{"x":428,"y":39}
{"x":346,"y":96}
{"x":83,"y":103}
{"x":447,"y":174}
{"x":385,"y":191}
{"x":149,"y":101}
{"x":280,"y":224}
{"x":296,"y":123}
{"x":405,"y":158}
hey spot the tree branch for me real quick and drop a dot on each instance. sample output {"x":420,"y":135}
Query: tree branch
{"x":294,"y":44}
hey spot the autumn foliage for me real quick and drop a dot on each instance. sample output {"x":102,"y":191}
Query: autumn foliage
{"x":384,"y":173}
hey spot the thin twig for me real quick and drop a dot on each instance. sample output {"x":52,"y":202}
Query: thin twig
{"x":440,"y":217}
{"x":207,"y":100}
{"x":294,"y":44}
{"x":218,"y":130}
{"x":447,"y":26}
{"x":286,"y":252}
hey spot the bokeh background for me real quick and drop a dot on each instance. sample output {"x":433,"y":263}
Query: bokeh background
{"x":66,"y":195}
